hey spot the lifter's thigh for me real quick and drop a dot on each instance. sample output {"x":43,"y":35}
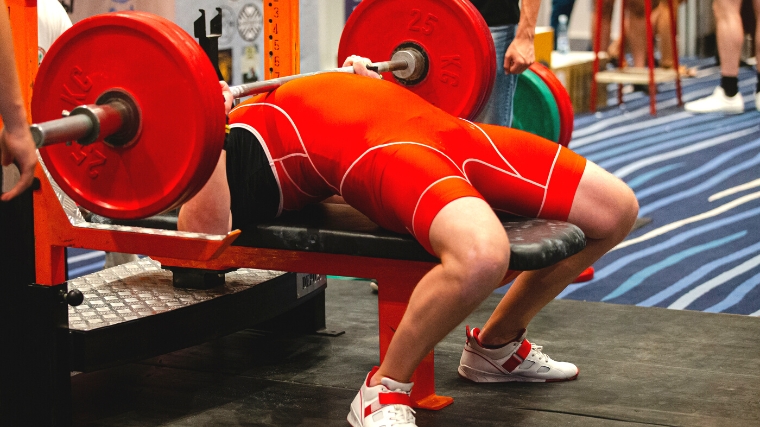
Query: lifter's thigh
{"x":471,"y":241}
{"x":402,"y":187}
{"x":603,"y":205}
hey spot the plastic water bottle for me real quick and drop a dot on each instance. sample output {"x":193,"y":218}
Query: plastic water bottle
{"x":563,"y":43}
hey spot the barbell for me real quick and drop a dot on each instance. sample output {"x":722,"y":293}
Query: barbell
{"x":142,"y":101}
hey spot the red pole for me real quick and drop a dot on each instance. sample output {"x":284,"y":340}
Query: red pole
{"x":650,"y":54}
{"x":597,"y":42}
{"x":673,"y":32}
{"x":621,"y":59}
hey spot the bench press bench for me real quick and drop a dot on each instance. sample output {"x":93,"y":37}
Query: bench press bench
{"x":336,"y":239}
{"x":322,"y":239}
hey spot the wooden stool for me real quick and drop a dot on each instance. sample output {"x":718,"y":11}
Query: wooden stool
{"x":636,"y":75}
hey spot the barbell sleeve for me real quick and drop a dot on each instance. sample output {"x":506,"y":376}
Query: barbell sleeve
{"x":85,"y":125}
{"x":61,"y":130}
{"x":390,"y":66}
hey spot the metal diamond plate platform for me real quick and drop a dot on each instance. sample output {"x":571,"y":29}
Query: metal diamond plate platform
{"x":141,"y":288}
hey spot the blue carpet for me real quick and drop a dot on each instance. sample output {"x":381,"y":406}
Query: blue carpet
{"x":696,"y":177}
{"x":82,"y":261}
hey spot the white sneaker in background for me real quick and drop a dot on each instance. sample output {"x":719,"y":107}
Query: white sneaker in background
{"x":718,"y":102}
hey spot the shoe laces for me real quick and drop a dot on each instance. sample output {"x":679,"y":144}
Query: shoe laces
{"x":400,"y":414}
{"x":397,"y":413}
{"x":538,"y":354}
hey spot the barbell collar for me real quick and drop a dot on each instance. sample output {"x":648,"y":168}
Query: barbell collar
{"x":128,"y":129}
{"x":416,"y":56}
{"x":106,"y":120}
{"x":416,"y":61}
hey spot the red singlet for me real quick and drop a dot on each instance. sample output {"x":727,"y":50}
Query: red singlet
{"x":397,"y":158}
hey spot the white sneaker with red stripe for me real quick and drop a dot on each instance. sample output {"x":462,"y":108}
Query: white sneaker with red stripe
{"x":384,"y":405}
{"x":518,"y":360}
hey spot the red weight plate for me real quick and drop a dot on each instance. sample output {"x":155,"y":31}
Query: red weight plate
{"x":182,"y":128}
{"x":450,"y":32}
{"x":564,"y":103}
{"x":189,"y":46}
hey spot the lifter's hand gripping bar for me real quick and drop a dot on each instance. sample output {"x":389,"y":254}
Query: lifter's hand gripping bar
{"x":272,"y":84}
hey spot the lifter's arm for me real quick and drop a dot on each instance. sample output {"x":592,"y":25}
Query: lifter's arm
{"x":209,"y":210}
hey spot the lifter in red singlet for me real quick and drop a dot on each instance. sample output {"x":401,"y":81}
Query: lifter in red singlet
{"x":413,"y":168}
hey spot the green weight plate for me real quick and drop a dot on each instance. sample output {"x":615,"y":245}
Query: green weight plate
{"x":564,"y":104}
{"x":535,"y":109}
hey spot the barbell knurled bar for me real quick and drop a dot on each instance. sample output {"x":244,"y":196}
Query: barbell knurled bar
{"x":89,"y":123}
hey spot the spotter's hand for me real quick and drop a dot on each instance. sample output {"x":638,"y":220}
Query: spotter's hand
{"x":520,"y":55}
{"x":17,"y":146}
{"x":228,"y":98}
{"x":360,"y":66}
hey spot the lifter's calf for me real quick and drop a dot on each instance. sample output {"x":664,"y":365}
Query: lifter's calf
{"x":474,"y":252}
{"x":605,"y":208}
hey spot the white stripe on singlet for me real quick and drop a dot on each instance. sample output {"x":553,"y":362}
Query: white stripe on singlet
{"x":419,"y":199}
{"x":544,"y":187}
{"x":490,"y":141}
{"x":391,"y":144}
{"x":548,"y":179}
{"x":298,"y":133}
{"x":417,"y":204}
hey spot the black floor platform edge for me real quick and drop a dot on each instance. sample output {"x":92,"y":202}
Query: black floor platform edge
{"x":639,"y":367}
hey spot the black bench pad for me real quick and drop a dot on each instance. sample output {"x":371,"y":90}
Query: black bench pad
{"x":342,"y":230}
